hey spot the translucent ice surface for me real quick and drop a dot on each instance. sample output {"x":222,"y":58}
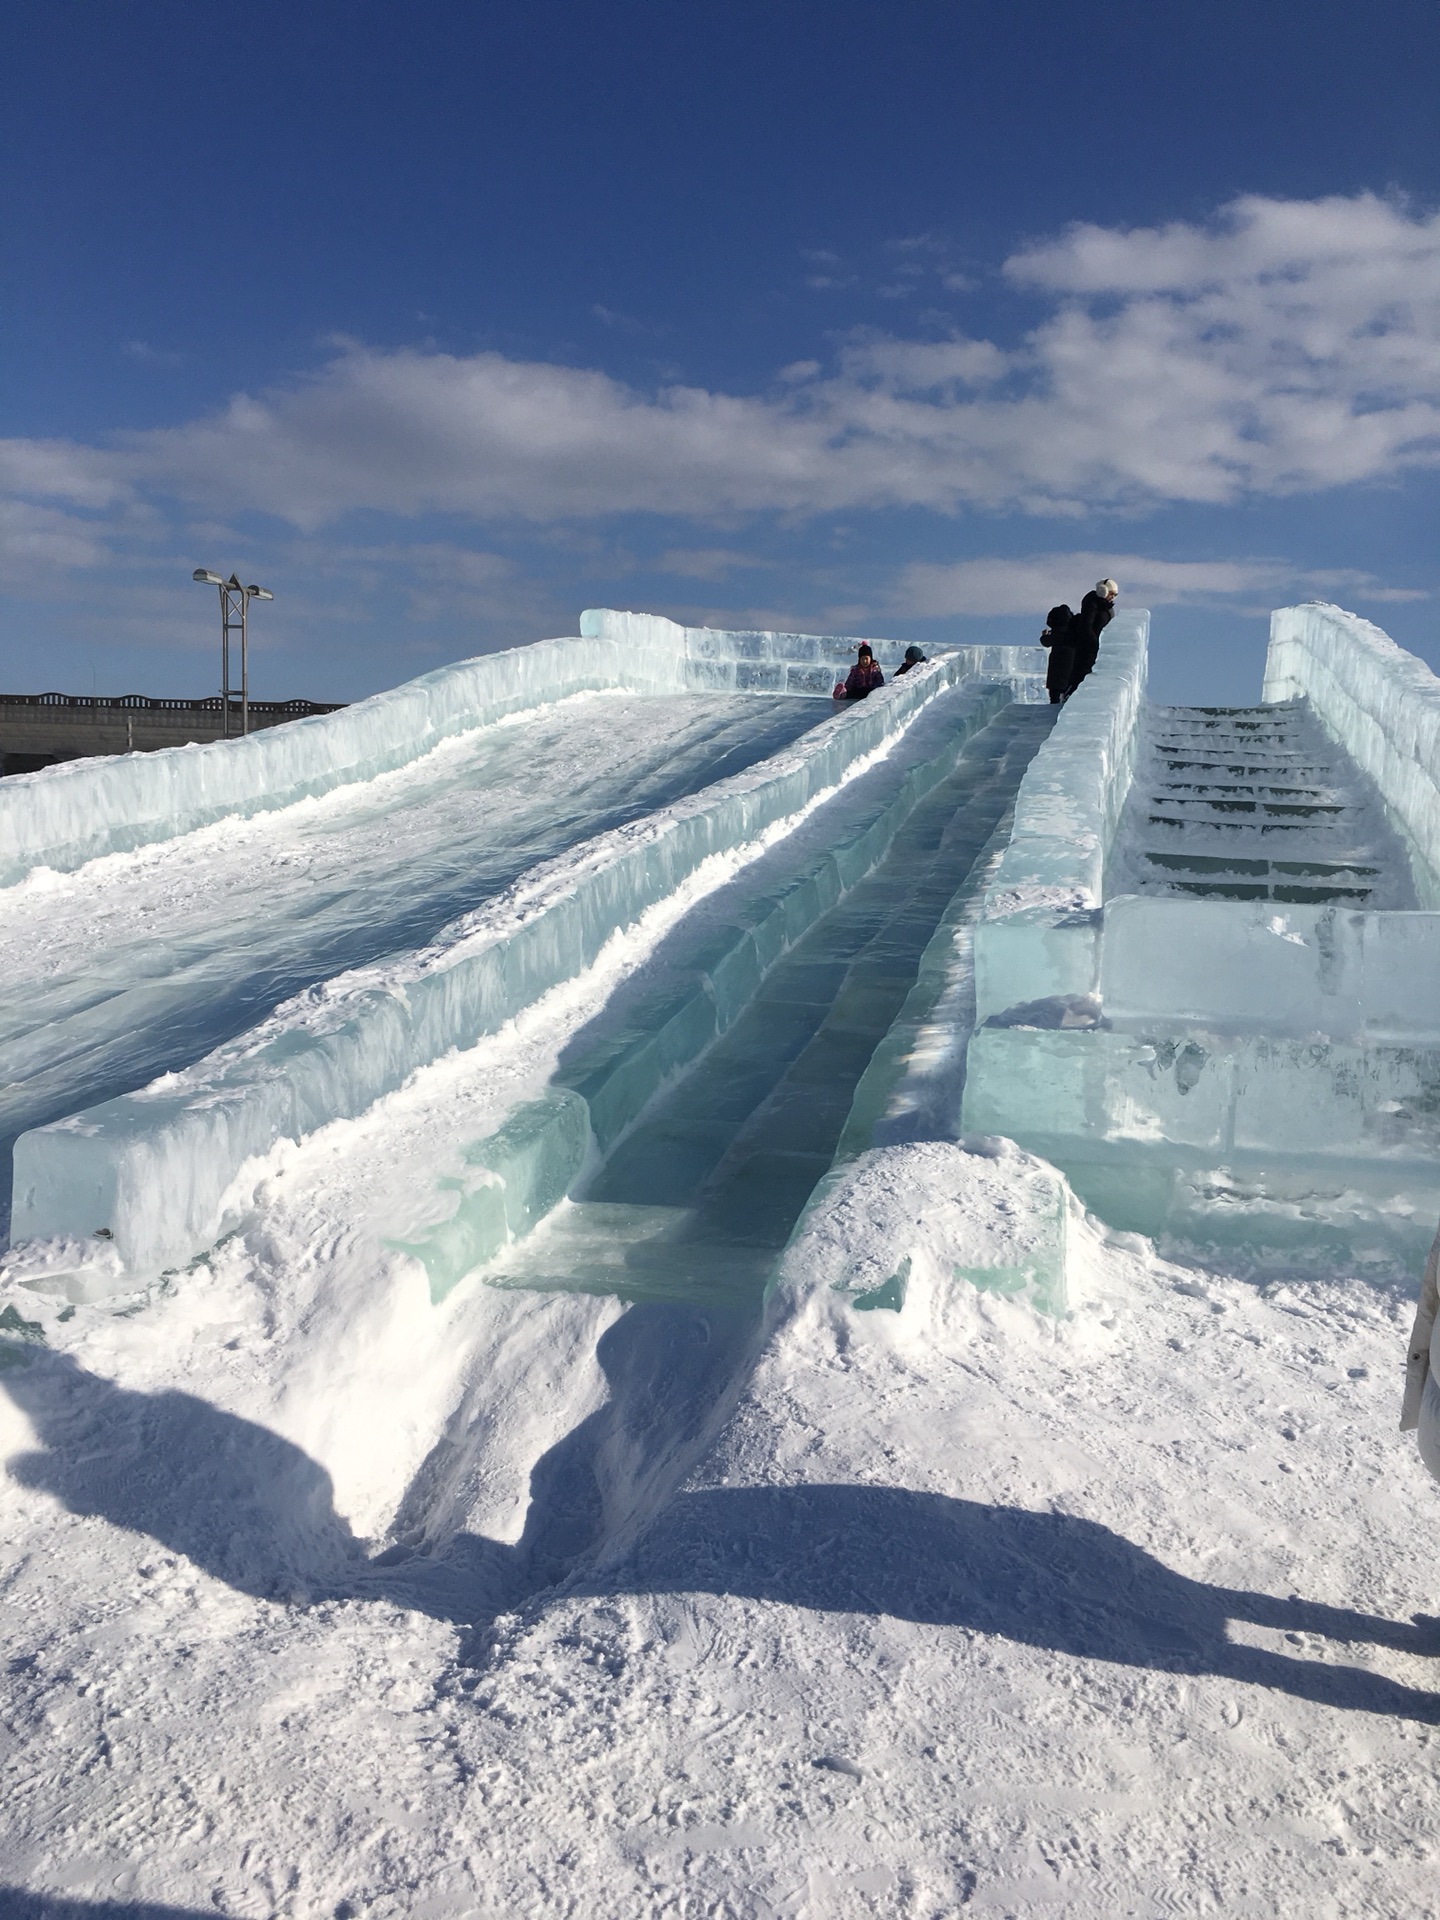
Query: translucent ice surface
{"x":1380,"y":703}
{"x":154,"y":1166}
{"x":141,"y":963}
{"x":1038,"y":936}
{"x":717,"y":1097}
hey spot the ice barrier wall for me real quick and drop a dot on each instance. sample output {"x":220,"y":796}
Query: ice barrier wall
{"x":153,"y":1167}
{"x":723,"y":660}
{"x":69,"y":814}
{"x":1038,"y":937}
{"x":1380,"y":704}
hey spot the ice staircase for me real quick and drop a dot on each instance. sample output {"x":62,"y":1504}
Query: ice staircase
{"x":1254,"y":803}
{"x":1208,"y":971}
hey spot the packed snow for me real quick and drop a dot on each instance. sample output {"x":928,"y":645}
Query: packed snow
{"x":960,"y":1608}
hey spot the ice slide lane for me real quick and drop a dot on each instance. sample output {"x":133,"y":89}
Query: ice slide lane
{"x":683,"y":1218}
{"x":140,"y":963}
{"x":696,"y":1200}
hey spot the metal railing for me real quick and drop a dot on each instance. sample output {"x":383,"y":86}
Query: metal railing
{"x":211,"y":703}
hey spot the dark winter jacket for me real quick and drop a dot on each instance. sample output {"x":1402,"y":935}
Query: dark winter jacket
{"x":1060,"y":668}
{"x":864,"y":677}
{"x":1096,"y":613}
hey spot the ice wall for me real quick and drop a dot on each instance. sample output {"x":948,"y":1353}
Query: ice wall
{"x":1038,"y":937}
{"x":1245,"y":1138}
{"x":153,"y":1167}
{"x":69,"y":814}
{"x":755,"y":661}
{"x":1380,"y":703}
{"x":1240,"y":966}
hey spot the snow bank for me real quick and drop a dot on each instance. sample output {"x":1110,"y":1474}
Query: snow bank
{"x":1039,"y":935}
{"x":1380,"y":703}
{"x":153,"y":1167}
{"x":909,"y":1223}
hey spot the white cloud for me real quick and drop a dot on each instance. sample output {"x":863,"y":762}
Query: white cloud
{"x":1031,"y":583}
{"x":1285,"y":346}
{"x":36,"y":541}
{"x":149,"y":356}
{"x":706,"y":563}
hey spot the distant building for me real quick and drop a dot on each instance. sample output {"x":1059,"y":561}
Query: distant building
{"x":41,"y":729}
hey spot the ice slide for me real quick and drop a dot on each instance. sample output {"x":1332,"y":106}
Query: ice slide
{"x":206,"y":931}
{"x":142,"y":963}
{"x":511,"y":1197}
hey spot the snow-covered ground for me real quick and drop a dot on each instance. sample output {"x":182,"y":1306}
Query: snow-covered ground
{"x":956,"y":1609}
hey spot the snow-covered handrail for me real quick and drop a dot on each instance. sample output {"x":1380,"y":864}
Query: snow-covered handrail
{"x":1380,"y":704}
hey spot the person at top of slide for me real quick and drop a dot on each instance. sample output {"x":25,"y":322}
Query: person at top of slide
{"x":1097,"y":610}
{"x":1059,"y":638}
{"x":864,"y":677}
{"x":913,"y":658}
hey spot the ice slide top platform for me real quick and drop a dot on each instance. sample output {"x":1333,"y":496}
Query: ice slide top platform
{"x":63,"y":816}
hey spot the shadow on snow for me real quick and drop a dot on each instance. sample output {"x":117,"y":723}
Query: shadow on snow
{"x":256,"y":1512}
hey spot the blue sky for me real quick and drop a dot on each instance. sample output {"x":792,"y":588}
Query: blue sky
{"x":445,"y":321}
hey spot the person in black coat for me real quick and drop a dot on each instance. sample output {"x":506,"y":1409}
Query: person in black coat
{"x":1097,"y":610}
{"x":1060,"y":667}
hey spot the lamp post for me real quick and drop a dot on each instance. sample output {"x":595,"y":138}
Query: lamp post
{"x":234,"y":618}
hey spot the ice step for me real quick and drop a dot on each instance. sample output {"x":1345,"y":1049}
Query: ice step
{"x":1203,"y":863}
{"x":1293,"y":894}
{"x":1245,"y":789}
{"x":633,"y":1253}
{"x":1203,"y":806}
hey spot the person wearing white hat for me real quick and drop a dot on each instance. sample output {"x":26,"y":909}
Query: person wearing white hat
{"x":1097,"y":610}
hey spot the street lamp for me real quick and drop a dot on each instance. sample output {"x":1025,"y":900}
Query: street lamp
{"x":234,"y":618}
